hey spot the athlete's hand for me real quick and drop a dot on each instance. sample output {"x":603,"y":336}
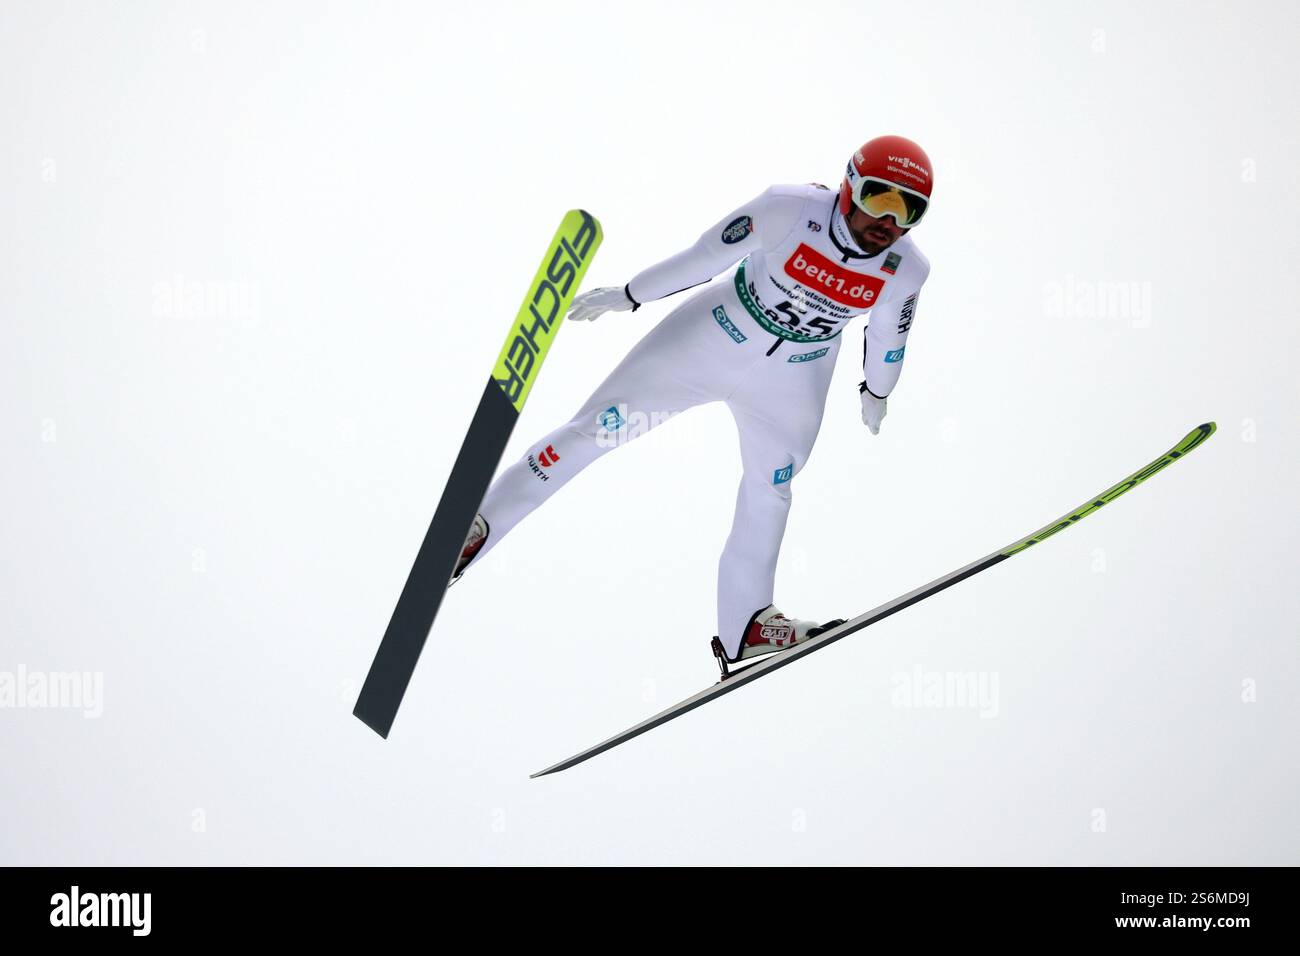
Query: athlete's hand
{"x":589,"y":305}
{"x":873,"y":410}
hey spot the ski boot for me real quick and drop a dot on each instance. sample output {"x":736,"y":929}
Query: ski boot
{"x":768,"y":632}
{"x":478,"y":532}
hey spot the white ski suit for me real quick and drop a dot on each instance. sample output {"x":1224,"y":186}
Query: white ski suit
{"x":764,"y":341}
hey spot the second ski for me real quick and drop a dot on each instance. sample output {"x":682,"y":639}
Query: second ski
{"x":752,"y":672}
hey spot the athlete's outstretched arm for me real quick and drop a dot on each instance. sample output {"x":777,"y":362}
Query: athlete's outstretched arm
{"x":764,"y":220}
{"x":722,"y":245}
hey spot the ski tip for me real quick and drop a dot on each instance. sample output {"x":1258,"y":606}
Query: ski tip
{"x":1201,"y":433}
{"x":577,"y":216}
{"x":1196,"y":436}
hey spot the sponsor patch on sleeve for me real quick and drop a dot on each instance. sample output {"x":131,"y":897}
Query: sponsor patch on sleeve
{"x":611,"y":419}
{"x":738,"y":229}
{"x":905,"y":313}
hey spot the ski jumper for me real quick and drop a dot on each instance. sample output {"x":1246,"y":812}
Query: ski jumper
{"x":764,"y":342}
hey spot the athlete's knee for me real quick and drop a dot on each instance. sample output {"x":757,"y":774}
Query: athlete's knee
{"x":771,"y":486}
{"x":776,"y":477}
{"x":597,"y":425}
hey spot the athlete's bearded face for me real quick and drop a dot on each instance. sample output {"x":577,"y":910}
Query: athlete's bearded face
{"x":871,"y":234}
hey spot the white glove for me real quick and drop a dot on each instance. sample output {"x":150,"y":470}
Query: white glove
{"x":873,"y":411}
{"x":589,"y":305}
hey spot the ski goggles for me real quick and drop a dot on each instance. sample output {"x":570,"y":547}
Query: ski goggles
{"x":879,"y":197}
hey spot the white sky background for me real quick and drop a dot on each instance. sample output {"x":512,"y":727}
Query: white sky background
{"x":213,"y":505}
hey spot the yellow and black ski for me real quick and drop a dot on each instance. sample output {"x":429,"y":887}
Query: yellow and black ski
{"x":535,"y":327}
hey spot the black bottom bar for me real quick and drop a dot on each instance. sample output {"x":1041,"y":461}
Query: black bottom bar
{"x":1157,"y":910}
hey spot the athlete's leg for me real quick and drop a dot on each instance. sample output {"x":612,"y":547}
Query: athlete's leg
{"x":778,"y":411}
{"x":673,"y":368}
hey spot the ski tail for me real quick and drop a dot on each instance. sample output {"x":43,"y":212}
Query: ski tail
{"x":535,"y":326}
{"x":740,"y":678}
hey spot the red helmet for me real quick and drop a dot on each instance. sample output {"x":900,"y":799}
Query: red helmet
{"x":889,"y":175}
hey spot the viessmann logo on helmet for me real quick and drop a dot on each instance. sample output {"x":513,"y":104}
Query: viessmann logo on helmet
{"x":908,"y":165}
{"x":812,"y":269}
